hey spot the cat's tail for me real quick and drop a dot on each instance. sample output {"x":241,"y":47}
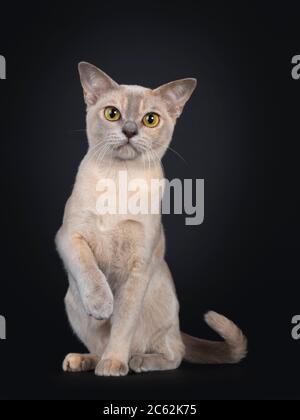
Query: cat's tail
{"x":230,"y":351}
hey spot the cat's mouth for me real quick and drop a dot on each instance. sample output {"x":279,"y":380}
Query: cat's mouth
{"x":127,"y":151}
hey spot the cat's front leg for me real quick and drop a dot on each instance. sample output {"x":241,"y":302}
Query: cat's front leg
{"x":79,"y":260}
{"x":128,"y":304}
{"x":98,"y":299}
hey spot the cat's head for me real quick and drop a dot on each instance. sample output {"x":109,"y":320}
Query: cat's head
{"x":131,"y":122}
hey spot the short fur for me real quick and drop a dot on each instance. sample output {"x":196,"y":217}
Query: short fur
{"x":121,"y":300}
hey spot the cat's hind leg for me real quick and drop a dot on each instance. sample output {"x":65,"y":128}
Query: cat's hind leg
{"x":166,"y":353}
{"x":80,"y":362}
{"x":152,"y":362}
{"x":157,"y":344}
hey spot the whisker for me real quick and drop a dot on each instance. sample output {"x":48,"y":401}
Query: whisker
{"x":93,"y":152}
{"x":175,"y":152}
{"x":106,"y":149}
{"x":147,"y":141}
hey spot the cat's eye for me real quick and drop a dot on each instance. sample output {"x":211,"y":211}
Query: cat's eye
{"x":151,"y":120}
{"x":112,"y":114}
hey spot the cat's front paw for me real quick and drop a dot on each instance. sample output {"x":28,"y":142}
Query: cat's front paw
{"x":111,"y":367}
{"x":100,"y":304}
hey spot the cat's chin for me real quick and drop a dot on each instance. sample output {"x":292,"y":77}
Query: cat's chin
{"x":127,"y":152}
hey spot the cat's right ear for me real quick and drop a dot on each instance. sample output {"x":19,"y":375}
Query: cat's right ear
{"x":94,"y":82}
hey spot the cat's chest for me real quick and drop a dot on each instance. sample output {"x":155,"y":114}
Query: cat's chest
{"x":117,"y":243}
{"x":117,"y":216}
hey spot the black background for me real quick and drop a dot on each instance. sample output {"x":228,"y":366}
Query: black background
{"x":239,"y":132}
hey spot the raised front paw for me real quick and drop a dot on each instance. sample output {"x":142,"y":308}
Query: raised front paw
{"x":111,"y":367}
{"x":100,"y":303}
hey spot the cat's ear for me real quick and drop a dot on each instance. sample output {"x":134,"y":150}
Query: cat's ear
{"x":94,"y":82}
{"x":176,"y":94}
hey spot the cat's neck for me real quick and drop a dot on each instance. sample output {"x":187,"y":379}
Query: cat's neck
{"x":111,"y":168}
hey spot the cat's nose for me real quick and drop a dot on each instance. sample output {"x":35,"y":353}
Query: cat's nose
{"x":130,"y":129}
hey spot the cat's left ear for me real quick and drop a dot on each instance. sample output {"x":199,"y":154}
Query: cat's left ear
{"x":94,"y":82}
{"x":176,"y":94}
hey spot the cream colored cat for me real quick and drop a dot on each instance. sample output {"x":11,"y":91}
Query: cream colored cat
{"x":121,"y":300}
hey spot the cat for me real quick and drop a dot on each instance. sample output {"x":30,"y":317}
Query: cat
{"x":121,"y":300}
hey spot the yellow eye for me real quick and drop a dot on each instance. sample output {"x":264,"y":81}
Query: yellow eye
{"x":112,"y":114}
{"x":151,"y":120}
